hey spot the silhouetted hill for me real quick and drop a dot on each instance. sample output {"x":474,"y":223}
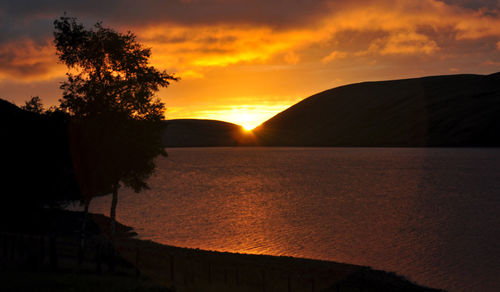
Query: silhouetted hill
{"x":202,"y":133}
{"x":455,"y":110}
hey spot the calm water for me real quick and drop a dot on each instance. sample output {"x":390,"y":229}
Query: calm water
{"x":431,"y":215}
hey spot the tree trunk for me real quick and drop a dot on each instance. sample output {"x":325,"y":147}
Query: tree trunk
{"x":112,"y":213}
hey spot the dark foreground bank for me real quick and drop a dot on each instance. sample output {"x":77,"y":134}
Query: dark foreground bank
{"x":37,"y":260}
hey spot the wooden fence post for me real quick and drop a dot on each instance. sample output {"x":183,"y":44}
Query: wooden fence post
{"x":137,"y":256}
{"x":172,"y":275}
{"x":210,"y":273}
{"x":42,"y":250}
{"x":98,"y":258}
{"x":263,"y":280}
{"x":111,"y":255}
{"x":53,"y":252}
{"x":237,"y":276}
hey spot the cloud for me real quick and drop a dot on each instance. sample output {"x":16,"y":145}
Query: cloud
{"x":291,"y":58}
{"x":197,"y":12}
{"x":335,"y":55}
{"x":475,"y":4}
{"x":408,"y":43}
{"x":491,"y":63}
{"x":191,"y":74}
{"x":26,"y":60}
{"x":195,"y":36}
{"x":377,"y":28}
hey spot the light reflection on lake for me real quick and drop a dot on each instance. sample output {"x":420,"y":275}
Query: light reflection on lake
{"x":428,"y":214}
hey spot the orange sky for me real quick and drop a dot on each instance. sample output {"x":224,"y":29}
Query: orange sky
{"x":244,"y":61}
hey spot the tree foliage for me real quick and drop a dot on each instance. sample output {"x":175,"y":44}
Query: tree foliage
{"x":110,"y":96}
{"x":36,"y":165}
{"x":34,"y":105}
{"x":113,"y":72}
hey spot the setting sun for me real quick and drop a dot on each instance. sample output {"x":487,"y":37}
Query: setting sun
{"x":247,"y":116}
{"x":247,"y":120}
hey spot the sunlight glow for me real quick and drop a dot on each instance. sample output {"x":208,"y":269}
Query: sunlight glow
{"x":248,"y":120}
{"x":247,"y":116}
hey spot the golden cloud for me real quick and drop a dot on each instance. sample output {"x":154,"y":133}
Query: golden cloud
{"x":190,"y":48}
{"x":25,"y":60}
{"x":335,"y":55}
{"x":408,"y":43}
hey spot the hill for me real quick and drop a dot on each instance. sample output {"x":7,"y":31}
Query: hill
{"x":454,"y":110}
{"x":203,"y":133}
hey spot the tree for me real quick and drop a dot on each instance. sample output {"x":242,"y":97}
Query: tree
{"x":37,"y":170}
{"x":34,"y":105}
{"x":115,"y":117}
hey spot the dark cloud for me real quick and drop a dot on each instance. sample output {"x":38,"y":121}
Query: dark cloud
{"x":33,"y":19}
{"x":26,"y":59}
{"x":475,"y":4}
{"x":24,"y":71}
{"x":356,"y":40}
{"x":132,"y":12}
{"x":175,"y":39}
{"x":221,"y":32}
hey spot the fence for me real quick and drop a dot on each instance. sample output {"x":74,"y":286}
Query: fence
{"x":180,"y":268}
{"x":33,"y":252}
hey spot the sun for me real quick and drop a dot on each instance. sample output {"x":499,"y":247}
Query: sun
{"x":247,"y":119}
{"x":248,"y":127}
{"x":247,"y":116}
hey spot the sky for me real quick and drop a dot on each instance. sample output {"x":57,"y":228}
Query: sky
{"x":244,"y":61}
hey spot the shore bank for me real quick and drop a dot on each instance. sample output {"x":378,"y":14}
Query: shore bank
{"x":184,"y":269}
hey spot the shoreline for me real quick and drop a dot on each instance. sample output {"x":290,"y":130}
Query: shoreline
{"x":149,"y":264}
{"x":185,"y":269}
{"x":192,"y":269}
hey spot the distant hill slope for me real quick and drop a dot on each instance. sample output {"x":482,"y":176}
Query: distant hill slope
{"x":202,"y":133}
{"x":455,"y":110}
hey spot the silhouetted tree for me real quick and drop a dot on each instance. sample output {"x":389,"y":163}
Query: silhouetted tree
{"x":115,"y":118}
{"x":36,"y":166}
{"x":34,"y":105}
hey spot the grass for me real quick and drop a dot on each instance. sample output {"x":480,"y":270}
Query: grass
{"x":75,"y":282}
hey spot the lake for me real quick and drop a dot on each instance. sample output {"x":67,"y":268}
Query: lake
{"x":429,"y":214}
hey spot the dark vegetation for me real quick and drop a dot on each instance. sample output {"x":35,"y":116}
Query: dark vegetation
{"x":115,"y":120}
{"x":36,"y":162}
{"x":105,"y":134}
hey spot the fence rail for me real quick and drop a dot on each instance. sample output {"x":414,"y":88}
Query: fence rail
{"x":50,"y":252}
{"x":182,"y":269}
